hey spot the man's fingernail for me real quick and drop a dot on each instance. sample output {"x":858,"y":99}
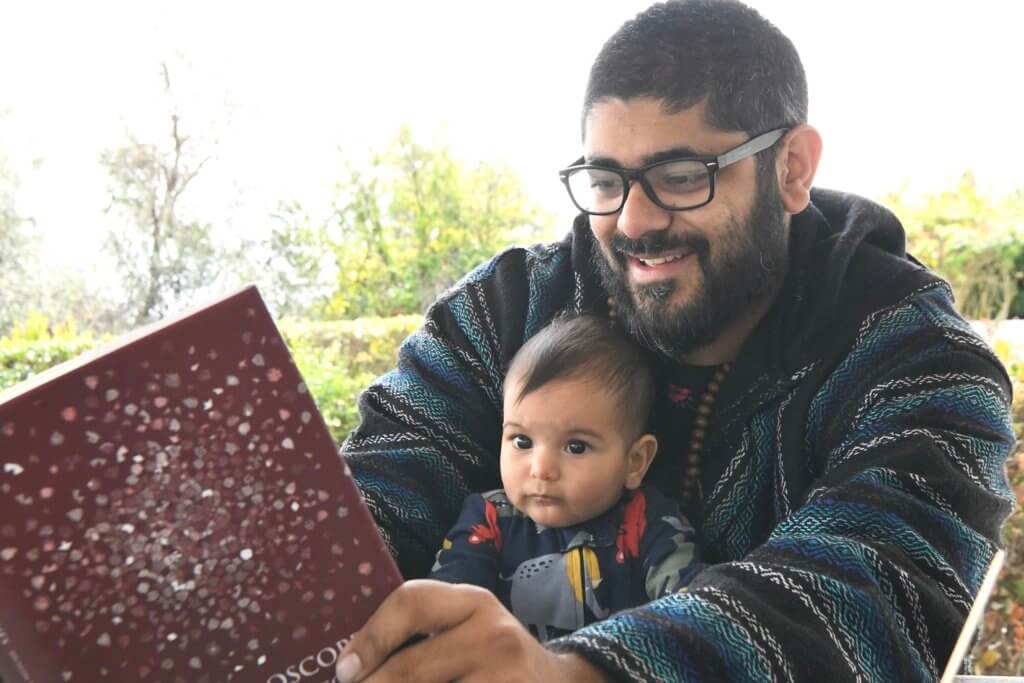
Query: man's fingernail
{"x":348,"y":668}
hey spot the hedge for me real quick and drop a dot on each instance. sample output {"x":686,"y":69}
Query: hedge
{"x":337,"y":359}
{"x":18,"y":362}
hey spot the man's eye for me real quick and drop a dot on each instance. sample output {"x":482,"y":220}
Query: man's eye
{"x":679,"y":179}
{"x":681,"y":182}
{"x":577,"y":447}
{"x":605,"y":184}
{"x":522,"y":442}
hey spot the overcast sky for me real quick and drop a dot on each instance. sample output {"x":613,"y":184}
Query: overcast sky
{"x":903,"y":92}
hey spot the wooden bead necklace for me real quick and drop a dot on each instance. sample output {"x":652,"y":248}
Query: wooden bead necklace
{"x":691,"y":472}
{"x":691,"y":478}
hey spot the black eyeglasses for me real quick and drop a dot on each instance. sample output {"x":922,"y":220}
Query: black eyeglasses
{"x":674,"y":185}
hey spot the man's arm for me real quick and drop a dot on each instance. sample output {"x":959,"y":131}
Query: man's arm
{"x":870,"y":578}
{"x":430,"y":430}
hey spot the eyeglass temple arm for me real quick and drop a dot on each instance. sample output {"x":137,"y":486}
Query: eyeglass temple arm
{"x":751,"y":147}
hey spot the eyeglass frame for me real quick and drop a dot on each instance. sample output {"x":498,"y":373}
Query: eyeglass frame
{"x":712,"y":163}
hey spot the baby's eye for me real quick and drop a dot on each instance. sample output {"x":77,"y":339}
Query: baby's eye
{"x":577,"y":447}
{"x":522,"y":442}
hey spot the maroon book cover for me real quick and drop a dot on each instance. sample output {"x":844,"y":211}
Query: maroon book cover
{"x":174,"y":509}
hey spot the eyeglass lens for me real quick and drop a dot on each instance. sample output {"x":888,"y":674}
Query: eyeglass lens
{"x":676,"y":184}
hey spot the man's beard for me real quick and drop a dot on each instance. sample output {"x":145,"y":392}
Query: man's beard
{"x":748,"y":268}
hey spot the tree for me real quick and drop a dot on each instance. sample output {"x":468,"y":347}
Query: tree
{"x":973,"y":241}
{"x":403,"y":229}
{"x":301,"y":267}
{"x":18,"y":253}
{"x":162,"y":256}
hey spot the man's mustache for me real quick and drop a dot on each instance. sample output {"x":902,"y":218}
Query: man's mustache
{"x":658,"y":243}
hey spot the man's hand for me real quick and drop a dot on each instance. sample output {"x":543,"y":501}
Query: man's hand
{"x":471,"y":638}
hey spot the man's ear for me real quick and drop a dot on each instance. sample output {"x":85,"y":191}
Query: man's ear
{"x":796,"y":164}
{"x":641,"y":455}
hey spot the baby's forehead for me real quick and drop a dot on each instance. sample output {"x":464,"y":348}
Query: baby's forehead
{"x":581,"y":381}
{"x":564,"y":404}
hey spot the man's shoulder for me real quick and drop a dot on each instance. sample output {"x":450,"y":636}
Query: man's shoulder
{"x":856,"y":291}
{"x":859,"y":280}
{"x":517,"y":265}
{"x":904,"y":298}
{"x":505,"y":301}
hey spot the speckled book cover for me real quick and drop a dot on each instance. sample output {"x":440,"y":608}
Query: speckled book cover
{"x":174,"y":509}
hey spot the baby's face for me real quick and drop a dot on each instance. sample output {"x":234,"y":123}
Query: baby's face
{"x":564,"y":451}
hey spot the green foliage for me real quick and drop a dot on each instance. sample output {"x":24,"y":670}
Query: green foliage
{"x":34,"y":344}
{"x":337,"y":359}
{"x":36,"y":327}
{"x":302,"y":267}
{"x":164,"y":257}
{"x":1000,"y":647}
{"x":340,"y":359}
{"x":160,"y":256}
{"x":975,"y":242}
{"x":18,"y":362}
{"x":18,"y":252}
{"x":404,"y":228}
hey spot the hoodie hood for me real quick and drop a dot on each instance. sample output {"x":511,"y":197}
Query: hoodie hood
{"x":847,"y":259}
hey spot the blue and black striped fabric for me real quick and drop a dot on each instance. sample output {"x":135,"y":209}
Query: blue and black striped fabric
{"x":853,"y":478}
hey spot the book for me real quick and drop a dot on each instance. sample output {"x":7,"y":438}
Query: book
{"x":174,"y":509}
{"x":969,"y":632}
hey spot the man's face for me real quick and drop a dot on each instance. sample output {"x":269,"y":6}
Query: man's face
{"x":679,"y":278}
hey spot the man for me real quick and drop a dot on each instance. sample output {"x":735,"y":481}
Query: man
{"x":833,"y":428}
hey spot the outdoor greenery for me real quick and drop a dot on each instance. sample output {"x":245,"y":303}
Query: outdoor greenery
{"x":339,"y":359}
{"x":1000,"y":650}
{"x":162,"y":254}
{"x":402,"y":229}
{"x":348,"y":287}
{"x":17,"y":252}
{"x":974,"y":241}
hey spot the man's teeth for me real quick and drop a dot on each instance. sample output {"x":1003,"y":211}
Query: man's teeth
{"x":664,"y":259}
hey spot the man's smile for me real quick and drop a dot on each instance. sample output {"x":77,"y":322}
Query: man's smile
{"x":667,"y":258}
{"x":654,"y":267}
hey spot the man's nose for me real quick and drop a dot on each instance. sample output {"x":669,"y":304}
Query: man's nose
{"x":639,"y":215}
{"x":544,"y":464}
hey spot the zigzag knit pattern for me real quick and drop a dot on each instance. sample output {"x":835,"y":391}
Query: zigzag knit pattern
{"x":856,"y":508}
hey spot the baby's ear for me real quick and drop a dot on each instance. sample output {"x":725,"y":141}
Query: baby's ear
{"x":641,"y":455}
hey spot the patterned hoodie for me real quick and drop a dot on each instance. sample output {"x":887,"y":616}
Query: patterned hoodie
{"x":853,"y":470}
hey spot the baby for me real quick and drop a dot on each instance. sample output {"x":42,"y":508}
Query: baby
{"x":574,"y":535}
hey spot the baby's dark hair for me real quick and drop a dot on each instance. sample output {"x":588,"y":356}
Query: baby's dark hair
{"x":590,"y":348}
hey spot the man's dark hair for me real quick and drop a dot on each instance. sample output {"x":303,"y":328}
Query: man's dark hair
{"x":589,"y":348}
{"x":684,"y":51}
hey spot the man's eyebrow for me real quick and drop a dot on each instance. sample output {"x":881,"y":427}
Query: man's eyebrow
{"x":664,"y":155}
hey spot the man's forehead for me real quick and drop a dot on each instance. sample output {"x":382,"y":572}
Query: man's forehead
{"x":630,"y":131}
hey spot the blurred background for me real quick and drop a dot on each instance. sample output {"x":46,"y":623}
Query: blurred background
{"x":355,"y":159}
